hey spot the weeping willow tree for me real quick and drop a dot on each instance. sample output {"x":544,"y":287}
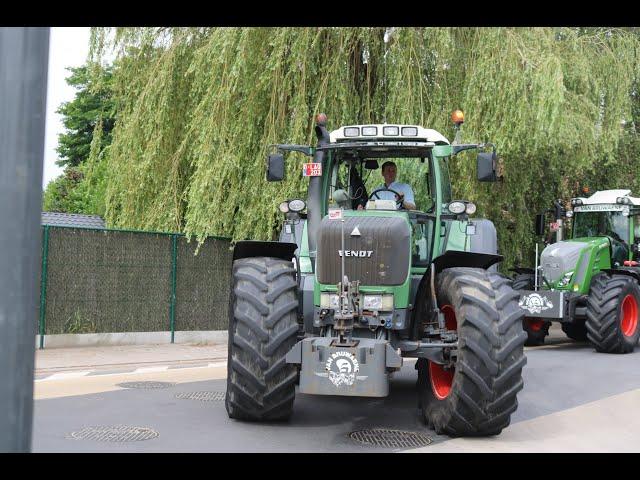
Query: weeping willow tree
{"x":198,"y":109}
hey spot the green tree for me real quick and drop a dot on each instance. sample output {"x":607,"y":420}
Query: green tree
{"x":89,"y":120}
{"x":93,"y":103}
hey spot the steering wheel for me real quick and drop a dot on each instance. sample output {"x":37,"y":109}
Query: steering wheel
{"x":385,"y":189}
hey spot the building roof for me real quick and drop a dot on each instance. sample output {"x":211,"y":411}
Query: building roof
{"x":57,"y":219}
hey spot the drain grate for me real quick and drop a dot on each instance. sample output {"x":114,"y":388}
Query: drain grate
{"x":202,"y":396}
{"x":379,"y":437}
{"x":147,"y":385}
{"x":117,"y":433}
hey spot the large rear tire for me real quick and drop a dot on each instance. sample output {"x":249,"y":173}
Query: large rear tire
{"x":536,"y":328}
{"x":613,"y":309}
{"x":263,"y":327}
{"x":477,"y":396}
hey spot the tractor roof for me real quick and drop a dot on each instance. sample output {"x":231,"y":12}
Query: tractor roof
{"x":388,"y":132}
{"x":609,"y":196}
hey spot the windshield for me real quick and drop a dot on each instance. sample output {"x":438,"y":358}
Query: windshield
{"x":354,"y":180}
{"x":592,"y":224}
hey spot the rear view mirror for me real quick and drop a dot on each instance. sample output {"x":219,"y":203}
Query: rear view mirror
{"x":540,"y":224}
{"x":371,"y":164}
{"x":275,"y":167}
{"x":487,"y":167}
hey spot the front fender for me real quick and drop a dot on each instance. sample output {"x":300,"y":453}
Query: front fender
{"x":255,"y":248}
{"x":457,"y":258}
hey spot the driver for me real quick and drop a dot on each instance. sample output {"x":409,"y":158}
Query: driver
{"x":389,"y":172}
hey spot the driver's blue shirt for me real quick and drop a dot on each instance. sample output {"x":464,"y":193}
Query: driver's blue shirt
{"x":398,"y":187}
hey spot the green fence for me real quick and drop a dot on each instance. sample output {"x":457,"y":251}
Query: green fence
{"x":104,"y":281}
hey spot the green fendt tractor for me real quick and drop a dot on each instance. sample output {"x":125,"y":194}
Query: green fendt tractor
{"x":357,"y":283}
{"x":589,"y":283}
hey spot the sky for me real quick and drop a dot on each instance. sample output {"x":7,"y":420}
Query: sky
{"x":68,"y":47}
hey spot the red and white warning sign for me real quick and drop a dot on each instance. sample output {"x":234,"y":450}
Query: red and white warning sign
{"x":311,"y":169}
{"x":335,"y":214}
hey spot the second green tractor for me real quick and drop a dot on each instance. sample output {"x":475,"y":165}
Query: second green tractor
{"x":590,"y":283}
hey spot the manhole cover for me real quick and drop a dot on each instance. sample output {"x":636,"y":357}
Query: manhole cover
{"x":203,"y":396}
{"x":148,"y":385}
{"x":380,"y":437}
{"x":117,"y":433}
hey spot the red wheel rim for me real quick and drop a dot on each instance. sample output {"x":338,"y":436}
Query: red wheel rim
{"x":449,"y":317}
{"x":629,"y":322}
{"x":441,"y":380}
{"x":535,"y":325}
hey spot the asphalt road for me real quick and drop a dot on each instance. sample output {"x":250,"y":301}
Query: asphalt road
{"x":574,"y":400}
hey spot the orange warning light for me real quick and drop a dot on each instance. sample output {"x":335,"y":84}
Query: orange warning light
{"x":457,"y":117}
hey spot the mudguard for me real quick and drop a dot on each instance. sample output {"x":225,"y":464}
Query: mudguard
{"x":254,"y":248}
{"x":456,"y":258}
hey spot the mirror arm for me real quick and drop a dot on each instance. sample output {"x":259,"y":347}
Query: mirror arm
{"x":294,"y":148}
{"x":468,"y":146}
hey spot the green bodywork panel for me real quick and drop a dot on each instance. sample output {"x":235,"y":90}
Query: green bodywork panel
{"x":305,"y":260}
{"x":457,"y":238}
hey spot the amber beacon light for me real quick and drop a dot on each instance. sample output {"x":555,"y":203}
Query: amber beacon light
{"x":457,"y":117}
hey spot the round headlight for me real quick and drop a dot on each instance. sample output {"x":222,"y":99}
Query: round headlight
{"x":471,"y":208}
{"x":456,"y":207}
{"x":569,"y":213}
{"x":297,"y":205}
{"x":284,"y":207}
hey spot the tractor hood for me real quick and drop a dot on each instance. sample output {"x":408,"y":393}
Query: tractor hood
{"x":560,"y":258}
{"x":376,"y":249}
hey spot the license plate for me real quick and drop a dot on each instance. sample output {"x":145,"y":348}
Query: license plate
{"x":335,"y":214}
{"x":312,"y":170}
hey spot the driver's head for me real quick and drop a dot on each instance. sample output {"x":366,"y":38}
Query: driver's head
{"x":389,"y":172}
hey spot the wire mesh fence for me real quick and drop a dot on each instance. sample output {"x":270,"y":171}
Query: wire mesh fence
{"x":105,"y":281}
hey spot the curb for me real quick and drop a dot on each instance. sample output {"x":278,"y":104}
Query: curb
{"x":132,"y":338}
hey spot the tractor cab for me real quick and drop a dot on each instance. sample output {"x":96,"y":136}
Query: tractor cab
{"x":610,"y":214}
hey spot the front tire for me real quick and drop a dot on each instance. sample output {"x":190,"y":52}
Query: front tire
{"x":263,"y":327}
{"x":612,"y":314}
{"x":478,"y":395}
{"x":536,"y":328}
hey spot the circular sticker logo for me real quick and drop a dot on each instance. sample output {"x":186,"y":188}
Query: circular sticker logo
{"x":535,"y":303}
{"x":342,"y":367}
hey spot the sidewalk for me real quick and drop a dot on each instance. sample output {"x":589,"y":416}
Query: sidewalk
{"x":116,"y":357}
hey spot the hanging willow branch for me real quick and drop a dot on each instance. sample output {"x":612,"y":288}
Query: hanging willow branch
{"x":198,"y":108}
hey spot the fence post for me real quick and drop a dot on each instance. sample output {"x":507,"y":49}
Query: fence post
{"x":174,"y":262}
{"x":43,"y":283}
